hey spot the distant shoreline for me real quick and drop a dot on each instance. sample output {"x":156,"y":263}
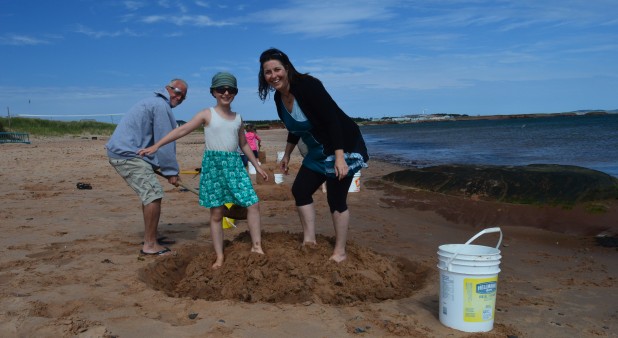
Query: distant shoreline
{"x":455,"y":117}
{"x":526,"y":116}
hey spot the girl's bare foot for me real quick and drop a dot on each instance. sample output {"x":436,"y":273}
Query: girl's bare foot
{"x":338,"y":258}
{"x":308,"y":247}
{"x":218,"y":263}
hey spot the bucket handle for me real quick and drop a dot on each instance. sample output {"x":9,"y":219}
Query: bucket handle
{"x":482,"y":232}
{"x":487,"y":231}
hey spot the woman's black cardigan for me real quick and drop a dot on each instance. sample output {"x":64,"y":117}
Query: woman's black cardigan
{"x":330,"y":125}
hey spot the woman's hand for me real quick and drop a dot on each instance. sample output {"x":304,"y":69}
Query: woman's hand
{"x":341,"y":168}
{"x":284,"y":163}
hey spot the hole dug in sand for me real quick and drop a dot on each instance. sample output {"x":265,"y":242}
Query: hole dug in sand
{"x":287,"y":273}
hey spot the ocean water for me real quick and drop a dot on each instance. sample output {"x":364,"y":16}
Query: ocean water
{"x":585,"y":141}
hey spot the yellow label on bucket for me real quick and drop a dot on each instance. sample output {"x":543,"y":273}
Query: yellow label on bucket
{"x":479,"y":299}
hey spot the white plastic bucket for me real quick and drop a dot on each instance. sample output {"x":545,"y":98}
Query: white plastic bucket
{"x":355,"y":185}
{"x":278,"y":178}
{"x":280,"y":156}
{"x":251,"y":169}
{"x":468,"y":284}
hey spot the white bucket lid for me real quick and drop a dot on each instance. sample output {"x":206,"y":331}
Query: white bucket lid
{"x":467,"y":250}
{"x":464,"y":256}
{"x":471,"y":270}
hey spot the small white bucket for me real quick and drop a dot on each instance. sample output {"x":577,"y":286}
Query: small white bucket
{"x":468,"y":284}
{"x":251,"y":169}
{"x":278,"y":178}
{"x":280,"y":156}
{"x":355,"y":185}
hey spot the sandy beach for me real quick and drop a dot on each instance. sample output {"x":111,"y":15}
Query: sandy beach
{"x":70,"y":263}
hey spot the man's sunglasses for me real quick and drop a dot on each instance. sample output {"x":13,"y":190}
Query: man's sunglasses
{"x":222,"y":90}
{"x":177,"y":91}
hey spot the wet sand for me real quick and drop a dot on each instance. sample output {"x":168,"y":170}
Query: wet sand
{"x":70,"y":264}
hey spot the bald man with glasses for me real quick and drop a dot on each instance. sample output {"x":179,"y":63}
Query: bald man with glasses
{"x":142,"y":126}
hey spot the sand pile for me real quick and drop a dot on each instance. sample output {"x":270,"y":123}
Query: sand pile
{"x":289,"y":273}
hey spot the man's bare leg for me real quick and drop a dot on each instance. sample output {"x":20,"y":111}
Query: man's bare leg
{"x":152,"y":213}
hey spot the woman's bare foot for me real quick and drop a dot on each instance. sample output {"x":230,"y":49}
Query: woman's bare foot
{"x":338,"y":258}
{"x":218,"y":263}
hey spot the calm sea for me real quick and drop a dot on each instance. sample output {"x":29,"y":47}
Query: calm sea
{"x":585,"y":141}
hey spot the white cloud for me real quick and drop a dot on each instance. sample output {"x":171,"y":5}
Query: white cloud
{"x":185,"y":20}
{"x":324,"y":18}
{"x":105,"y":34}
{"x":134,"y":5}
{"x":21,"y":40}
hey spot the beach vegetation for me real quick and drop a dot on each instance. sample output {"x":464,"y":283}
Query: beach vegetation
{"x":596,"y":208}
{"x":42,"y":127}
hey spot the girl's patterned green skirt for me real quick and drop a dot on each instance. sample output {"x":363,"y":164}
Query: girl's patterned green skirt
{"x":224,"y":180}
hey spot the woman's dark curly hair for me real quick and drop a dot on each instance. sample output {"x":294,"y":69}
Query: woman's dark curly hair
{"x":274,"y":54}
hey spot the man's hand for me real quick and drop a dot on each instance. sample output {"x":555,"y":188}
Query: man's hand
{"x":174,"y":180}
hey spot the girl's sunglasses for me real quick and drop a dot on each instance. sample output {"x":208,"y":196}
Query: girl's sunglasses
{"x":222,"y":90}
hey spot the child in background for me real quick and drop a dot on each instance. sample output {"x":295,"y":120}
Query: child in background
{"x":254,"y":140}
{"x":223,"y":178}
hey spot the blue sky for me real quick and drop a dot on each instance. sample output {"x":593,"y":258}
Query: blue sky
{"x":376,"y":58}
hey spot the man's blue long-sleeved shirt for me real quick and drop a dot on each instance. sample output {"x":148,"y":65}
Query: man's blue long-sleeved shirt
{"x":142,"y":126}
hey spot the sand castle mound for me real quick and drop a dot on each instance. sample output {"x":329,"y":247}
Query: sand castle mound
{"x":287,"y":273}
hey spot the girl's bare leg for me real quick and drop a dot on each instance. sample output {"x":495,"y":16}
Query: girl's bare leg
{"x":253,"y":220}
{"x":216,"y":233}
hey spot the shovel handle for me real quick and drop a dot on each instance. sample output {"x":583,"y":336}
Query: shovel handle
{"x":180,"y":184}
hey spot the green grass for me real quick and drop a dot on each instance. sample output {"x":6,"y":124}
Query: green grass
{"x":596,"y":208}
{"x":41,"y":127}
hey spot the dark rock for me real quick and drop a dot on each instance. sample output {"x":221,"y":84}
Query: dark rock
{"x":531,"y":184}
{"x":607,"y":241}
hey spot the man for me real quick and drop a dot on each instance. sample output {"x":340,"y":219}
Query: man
{"x":143,"y":125}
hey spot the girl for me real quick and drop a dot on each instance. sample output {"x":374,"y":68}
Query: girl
{"x":223,"y":178}
{"x":254,"y":140}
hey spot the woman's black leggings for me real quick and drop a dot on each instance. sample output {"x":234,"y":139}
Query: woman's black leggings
{"x":308,"y":181}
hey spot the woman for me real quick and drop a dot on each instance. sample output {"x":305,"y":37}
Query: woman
{"x":223,"y":178}
{"x":336,"y":149}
